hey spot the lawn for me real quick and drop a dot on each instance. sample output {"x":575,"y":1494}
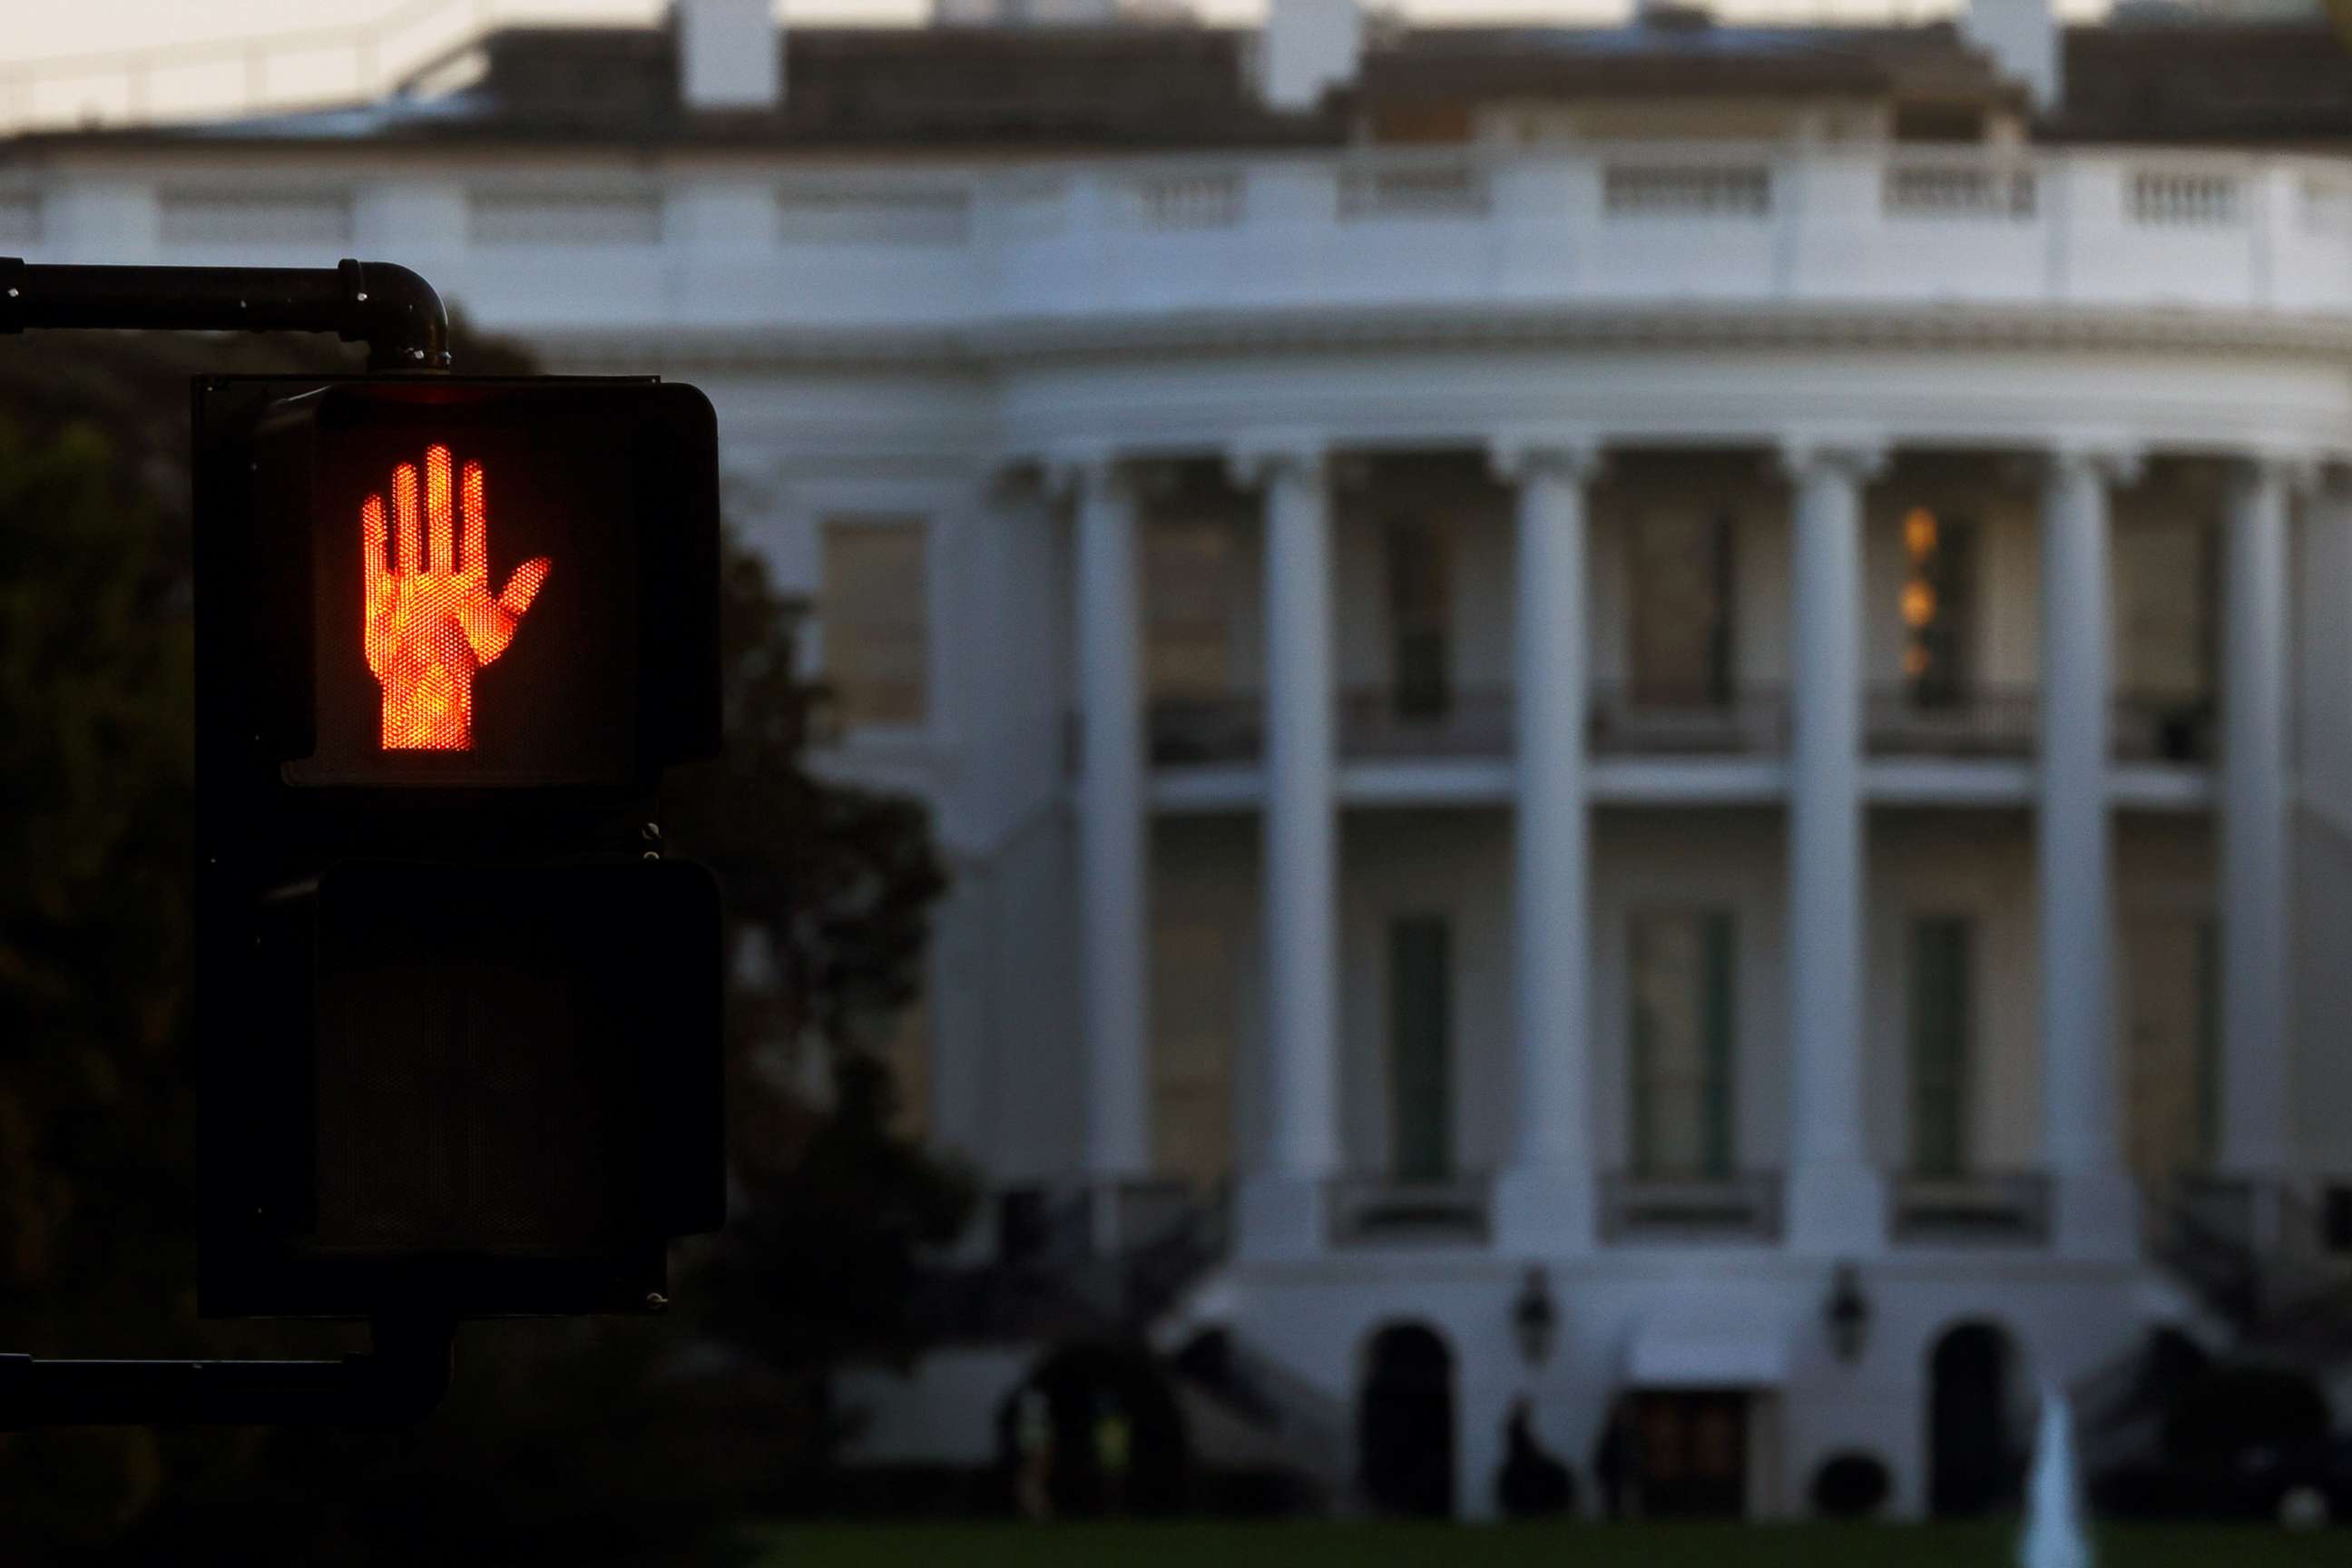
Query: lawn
{"x":1191,"y":1545}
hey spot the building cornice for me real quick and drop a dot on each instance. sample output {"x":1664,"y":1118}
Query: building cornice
{"x":1013,"y":341}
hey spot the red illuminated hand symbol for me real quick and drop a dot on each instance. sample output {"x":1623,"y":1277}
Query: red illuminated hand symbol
{"x":430,"y":620}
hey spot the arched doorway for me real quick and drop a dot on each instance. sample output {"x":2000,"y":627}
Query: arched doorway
{"x":1971,"y":1461}
{"x":1404,"y":1434}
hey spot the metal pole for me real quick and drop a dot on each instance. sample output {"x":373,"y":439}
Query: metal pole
{"x":391,"y":310}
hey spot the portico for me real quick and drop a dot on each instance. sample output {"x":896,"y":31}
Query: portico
{"x":1833,"y":763}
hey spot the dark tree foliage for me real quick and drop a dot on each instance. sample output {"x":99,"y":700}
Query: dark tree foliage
{"x":594,"y":1441}
{"x":94,"y":846}
{"x":827,"y":890}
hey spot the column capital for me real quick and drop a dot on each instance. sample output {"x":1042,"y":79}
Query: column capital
{"x":1576,"y":456}
{"x":1804,"y":455}
{"x":1259,"y":460}
{"x":1066,"y":471}
{"x":2298,"y":470}
{"x":2333,"y":479}
{"x":2113,"y":459}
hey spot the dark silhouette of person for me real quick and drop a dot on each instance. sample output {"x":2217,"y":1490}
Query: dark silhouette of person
{"x":1532,"y":1484}
{"x":1613,"y":1465}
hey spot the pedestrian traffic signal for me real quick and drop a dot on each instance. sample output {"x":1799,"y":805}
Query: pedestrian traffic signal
{"x":459,"y":1019}
{"x":428,"y":617}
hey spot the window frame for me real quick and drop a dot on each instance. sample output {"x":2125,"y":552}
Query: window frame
{"x":922,"y":525}
{"x":1955,"y":1158}
{"x":1435,"y":1108}
{"x":1718,"y":1047}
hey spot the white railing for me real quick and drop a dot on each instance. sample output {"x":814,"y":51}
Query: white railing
{"x":1184,"y":200}
{"x":832,"y":213}
{"x":231,"y":216}
{"x":1138,"y":238}
{"x":1948,"y":188}
{"x":1394,"y":187}
{"x":2188,"y":198}
{"x":534,"y":220}
{"x":1642,"y":188}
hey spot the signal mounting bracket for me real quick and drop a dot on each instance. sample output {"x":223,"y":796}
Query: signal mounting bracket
{"x":391,"y":308}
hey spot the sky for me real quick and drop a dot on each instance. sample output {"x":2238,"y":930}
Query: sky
{"x":74,"y":60}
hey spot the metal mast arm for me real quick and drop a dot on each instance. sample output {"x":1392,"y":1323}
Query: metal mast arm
{"x":391,"y":310}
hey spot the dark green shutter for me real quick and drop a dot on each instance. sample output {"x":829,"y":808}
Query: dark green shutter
{"x":1716,"y":1019}
{"x":1421,"y":1088}
{"x":1940,"y":1046}
{"x":2208,"y":1040}
{"x":1644,"y":1045}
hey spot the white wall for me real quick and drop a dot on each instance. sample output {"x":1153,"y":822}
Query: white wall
{"x":1320,"y":1324}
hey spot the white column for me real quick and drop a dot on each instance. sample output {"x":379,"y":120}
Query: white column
{"x":2081,"y":1114}
{"x":1282,"y":1199}
{"x":1543,"y":1203}
{"x":2255,"y":930}
{"x":1836,"y":1200}
{"x":1112,"y":843}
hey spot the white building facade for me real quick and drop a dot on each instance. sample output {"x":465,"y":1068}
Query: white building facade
{"x":1699,"y":709}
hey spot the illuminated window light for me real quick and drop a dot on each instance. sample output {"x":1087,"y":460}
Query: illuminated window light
{"x":428,"y":619}
{"x":1918,"y":603}
{"x":1919,"y":532}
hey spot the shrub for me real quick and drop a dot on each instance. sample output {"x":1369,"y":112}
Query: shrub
{"x":1851,"y":1486}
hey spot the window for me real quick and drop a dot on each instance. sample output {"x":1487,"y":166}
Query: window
{"x":1939,"y":555}
{"x":872,"y":620}
{"x":2171,"y":620}
{"x":1187,"y":573}
{"x":1420,"y":620}
{"x":1193,"y":1010}
{"x":1683,"y":596}
{"x":2173,"y":1007}
{"x":1421,"y":1068}
{"x":1938,"y":122}
{"x":906,"y":1051}
{"x":1682,"y":984}
{"x":1942,"y":962}
{"x":1421,"y":124}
